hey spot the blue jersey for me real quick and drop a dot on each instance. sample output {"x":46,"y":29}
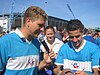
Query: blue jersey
{"x":87,"y":58}
{"x":90,"y":38}
{"x":18,"y":56}
{"x":98,"y":41}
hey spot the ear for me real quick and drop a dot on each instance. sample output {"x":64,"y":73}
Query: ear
{"x":27,"y":23}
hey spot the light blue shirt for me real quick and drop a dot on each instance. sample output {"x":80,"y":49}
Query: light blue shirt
{"x":89,"y":52}
{"x":19,"y":56}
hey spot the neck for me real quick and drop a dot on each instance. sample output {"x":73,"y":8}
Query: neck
{"x":26,"y":34}
{"x":51,"y":41}
{"x":81,"y":43}
{"x":29,"y":38}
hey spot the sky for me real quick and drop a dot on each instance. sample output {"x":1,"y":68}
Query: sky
{"x":88,"y":11}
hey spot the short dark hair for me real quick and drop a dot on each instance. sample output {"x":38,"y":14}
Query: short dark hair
{"x":75,"y":24}
{"x":13,"y":27}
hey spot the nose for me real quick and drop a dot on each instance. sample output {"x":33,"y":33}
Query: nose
{"x":42,"y":29}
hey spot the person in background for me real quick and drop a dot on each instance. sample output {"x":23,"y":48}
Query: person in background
{"x":19,"y":51}
{"x":95,"y":35}
{"x":89,"y":37}
{"x":65,"y":37}
{"x":98,"y":36}
{"x":13,"y":28}
{"x":78,"y":56}
{"x":54,"y":44}
{"x":3,"y":33}
{"x":0,"y":34}
{"x":59,"y":34}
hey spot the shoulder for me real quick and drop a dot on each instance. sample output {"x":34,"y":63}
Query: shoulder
{"x":91,"y":46}
{"x":89,"y":43}
{"x":8,"y":37}
{"x":66,"y":46}
{"x":58,"y":41}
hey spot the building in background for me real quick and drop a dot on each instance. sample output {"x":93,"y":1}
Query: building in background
{"x":4,"y":21}
{"x":57,"y":22}
{"x":18,"y":21}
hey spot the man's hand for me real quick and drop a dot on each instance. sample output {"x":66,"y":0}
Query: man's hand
{"x":81,"y":72}
{"x":49,"y":57}
{"x":67,"y":72}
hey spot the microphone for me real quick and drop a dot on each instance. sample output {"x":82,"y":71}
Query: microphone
{"x":44,"y":43}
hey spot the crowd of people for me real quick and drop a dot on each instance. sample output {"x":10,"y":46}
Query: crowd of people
{"x":71,"y":50}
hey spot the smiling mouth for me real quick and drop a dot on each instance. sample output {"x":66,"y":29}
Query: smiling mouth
{"x":75,"y":43}
{"x":50,"y":37}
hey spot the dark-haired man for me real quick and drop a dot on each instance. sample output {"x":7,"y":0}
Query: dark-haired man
{"x":78,"y":56}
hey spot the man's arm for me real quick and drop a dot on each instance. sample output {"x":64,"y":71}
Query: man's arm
{"x":42,"y":65}
{"x":84,"y":73}
{"x":95,"y":71}
{"x":48,"y":59}
{"x":58,"y":70}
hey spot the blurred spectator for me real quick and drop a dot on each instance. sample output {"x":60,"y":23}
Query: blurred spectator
{"x":95,"y":35}
{"x":59,"y":33}
{"x":54,"y":44}
{"x":65,"y":36}
{"x":98,"y":36}
{"x":13,"y":28}
{"x":89,"y":36}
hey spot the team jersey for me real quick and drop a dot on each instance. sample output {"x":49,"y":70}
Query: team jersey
{"x":17,"y":56}
{"x":86,"y":58}
{"x":98,"y":41}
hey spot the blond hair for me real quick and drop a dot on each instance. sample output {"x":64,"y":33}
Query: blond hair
{"x":33,"y":13}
